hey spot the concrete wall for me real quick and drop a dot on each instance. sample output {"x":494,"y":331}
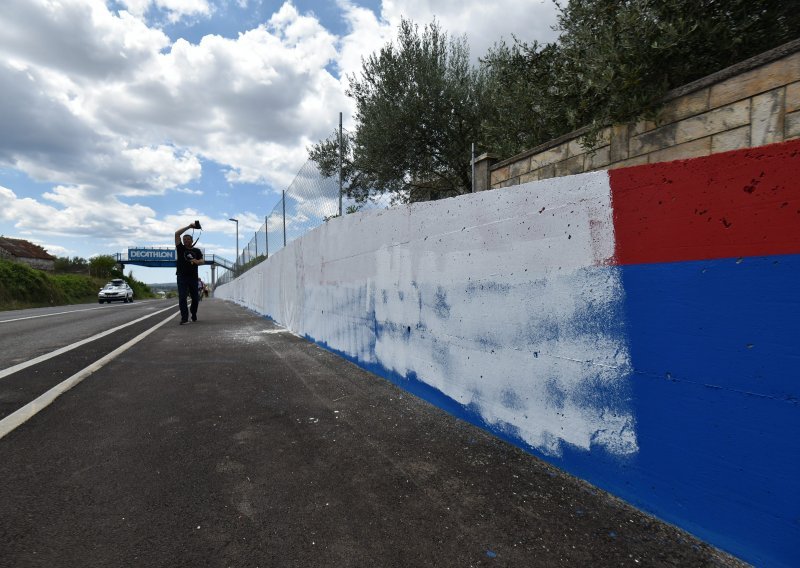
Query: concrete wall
{"x":753,"y":103}
{"x":636,"y":327}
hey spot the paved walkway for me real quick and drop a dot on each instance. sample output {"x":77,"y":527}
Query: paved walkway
{"x":230,"y":442}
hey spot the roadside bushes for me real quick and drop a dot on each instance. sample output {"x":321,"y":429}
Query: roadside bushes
{"x":24,"y":287}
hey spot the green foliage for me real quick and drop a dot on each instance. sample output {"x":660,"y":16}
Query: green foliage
{"x":74,"y":265}
{"x":616,"y":59}
{"x":420,"y":104}
{"x":417,"y":106}
{"x":528,"y":103}
{"x":140,"y":289}
{"x":104,"y":266}
{"x":75,"y":289}
{"x":22,"y":287}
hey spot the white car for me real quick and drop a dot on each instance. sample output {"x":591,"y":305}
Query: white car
{"x":116,"y":290}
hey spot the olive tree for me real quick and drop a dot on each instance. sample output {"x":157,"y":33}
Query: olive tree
{"x":418,"y":106}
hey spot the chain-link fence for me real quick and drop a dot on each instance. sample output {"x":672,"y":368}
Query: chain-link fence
{"x":305,"y":204}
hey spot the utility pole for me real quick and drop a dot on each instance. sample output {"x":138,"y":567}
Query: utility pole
{"x":341,"y":150}
{"x":473,"y":167}
{"x":236,"y":263}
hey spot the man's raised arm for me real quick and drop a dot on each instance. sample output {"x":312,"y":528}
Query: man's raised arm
{"x":180,"y":231}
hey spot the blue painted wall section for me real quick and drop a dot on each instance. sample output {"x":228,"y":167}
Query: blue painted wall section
{"x":638,"y":328}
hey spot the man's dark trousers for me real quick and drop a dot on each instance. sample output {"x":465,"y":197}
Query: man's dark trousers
{"x":187,"y":285}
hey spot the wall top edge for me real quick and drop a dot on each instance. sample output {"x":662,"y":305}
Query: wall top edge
{"x":737,"y":69}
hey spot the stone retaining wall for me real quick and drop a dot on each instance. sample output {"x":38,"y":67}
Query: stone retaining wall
{"x":750,"y":104}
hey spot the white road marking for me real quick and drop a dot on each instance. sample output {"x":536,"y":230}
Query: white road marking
{"x":25,"y":364}
{"x":56,"y":314}
{"x":22,"y":415}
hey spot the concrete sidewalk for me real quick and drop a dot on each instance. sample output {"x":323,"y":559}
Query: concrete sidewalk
{"x":229,"y":442}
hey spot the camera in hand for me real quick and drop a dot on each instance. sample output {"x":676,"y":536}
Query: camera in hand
{"x":197,"y":225}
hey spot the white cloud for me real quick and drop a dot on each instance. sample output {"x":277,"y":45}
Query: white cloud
{"x":109,"y":102}
{"x":77,"y":211}
{"x":77,"y":38}
{"x":163,"y":166}
{"x":484,"y":22}
{"x":101,"y":104}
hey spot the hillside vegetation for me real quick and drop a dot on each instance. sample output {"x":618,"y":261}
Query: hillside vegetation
{"x":24,"y":287}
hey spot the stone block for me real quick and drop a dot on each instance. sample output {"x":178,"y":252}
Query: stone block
{"x":684,"y":107}
{"x":499,"y":175}
{"x":570,"y":166}
{"x":637,"y":161}
{"x":712,"y":122}
{"x":693,"y":149}
{"x":657,"y":139}
{"x":547,"y":172}
{"x":548,"y":157}
{"x":520,"y":167}
{"x":766,"y":118}
{"x":509,"y":182}
{"x":530,"y":176}
{"x":792,"y":125}
{"x":642,"y":126}
{"x":620,"y":135}
{"x":598,"y":159}
{"x":575,"y":148}
{"x":770,"y":76}
{"x":731,"y":140}
{"x":792,"y":97}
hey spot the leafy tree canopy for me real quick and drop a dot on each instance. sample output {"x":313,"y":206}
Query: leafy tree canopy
{"x":417,"y":102}
{"x":74,"y":265}
{"x":104,"y":266}
{"x":420,"y":104}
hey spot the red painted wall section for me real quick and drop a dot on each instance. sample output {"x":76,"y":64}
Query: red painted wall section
{"x":736,"y":204}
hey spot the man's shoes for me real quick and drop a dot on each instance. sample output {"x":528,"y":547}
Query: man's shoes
{"x":194,"y":318}
{"x":183,"y":322}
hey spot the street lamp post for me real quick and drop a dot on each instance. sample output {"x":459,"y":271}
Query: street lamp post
{"x":236,"y":261}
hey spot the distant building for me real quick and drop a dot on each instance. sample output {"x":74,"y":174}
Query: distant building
{"x":28,"y":253}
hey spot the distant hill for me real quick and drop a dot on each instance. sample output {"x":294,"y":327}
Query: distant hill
{"x":165,"y":286}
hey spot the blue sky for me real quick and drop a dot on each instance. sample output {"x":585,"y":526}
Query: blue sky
{"x":126,"y":119}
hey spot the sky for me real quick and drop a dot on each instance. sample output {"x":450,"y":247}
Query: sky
{"x":124,"y":120}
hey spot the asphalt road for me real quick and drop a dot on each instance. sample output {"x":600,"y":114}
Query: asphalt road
{"x":230,"y":442}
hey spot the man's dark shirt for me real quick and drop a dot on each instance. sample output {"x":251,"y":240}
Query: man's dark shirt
{"x":185,"y":256}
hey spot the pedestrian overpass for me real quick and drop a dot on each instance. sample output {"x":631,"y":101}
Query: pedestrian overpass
{"x":156,"y":257}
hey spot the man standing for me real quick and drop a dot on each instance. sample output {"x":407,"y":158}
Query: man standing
{"x":188,"y":259}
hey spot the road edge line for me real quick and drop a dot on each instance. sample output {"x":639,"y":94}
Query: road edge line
{"x":36,"y":360}
{"x":25,"y":413}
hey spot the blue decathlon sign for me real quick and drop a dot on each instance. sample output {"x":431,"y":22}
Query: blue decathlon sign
{"x":150,"y":255}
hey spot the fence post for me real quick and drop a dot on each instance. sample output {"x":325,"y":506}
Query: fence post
{"x":284,"y":217}
{"x":266,"y":233}
{"x":472,"y":161}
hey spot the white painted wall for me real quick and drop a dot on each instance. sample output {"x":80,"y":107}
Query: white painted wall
{"x":503,"y":300}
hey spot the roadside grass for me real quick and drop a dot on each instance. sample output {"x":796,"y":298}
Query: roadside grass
{"x":24,"y":287}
